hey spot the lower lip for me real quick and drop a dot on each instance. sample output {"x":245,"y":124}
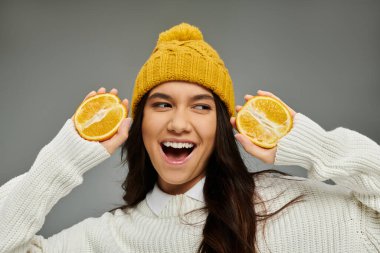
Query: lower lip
{"x":171,"y":162}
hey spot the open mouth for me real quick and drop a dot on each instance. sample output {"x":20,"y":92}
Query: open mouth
{"x":177,"y":152}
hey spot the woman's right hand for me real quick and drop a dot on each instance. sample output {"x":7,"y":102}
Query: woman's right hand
{"x":265,"y":155}
{"x":122,"y":134}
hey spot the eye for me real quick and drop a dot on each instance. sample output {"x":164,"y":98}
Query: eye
{"x":161,"y":105}
{"x":202,"y":107}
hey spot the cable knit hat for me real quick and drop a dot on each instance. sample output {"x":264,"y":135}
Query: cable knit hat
{"x":181,"y":54}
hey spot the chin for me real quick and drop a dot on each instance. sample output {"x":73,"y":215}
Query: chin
{"x":174,"y":179}
{"x":177,"y":184}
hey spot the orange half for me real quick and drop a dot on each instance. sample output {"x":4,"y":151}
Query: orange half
{"x":264,"y":120}
{"x":98,"y":118}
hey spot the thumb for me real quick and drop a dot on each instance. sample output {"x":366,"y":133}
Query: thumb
{"x":124,"y":128}
{"x":122,"y":133}
{"x":247,"y":145}
{"x":265,"y":155}
{"x":119,"y":138}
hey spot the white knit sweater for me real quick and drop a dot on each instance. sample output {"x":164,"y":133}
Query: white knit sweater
{"x":332,"y":218}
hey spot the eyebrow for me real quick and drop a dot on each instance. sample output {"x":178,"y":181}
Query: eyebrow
{"x":160,"y":95}
{"x":194,"y":98}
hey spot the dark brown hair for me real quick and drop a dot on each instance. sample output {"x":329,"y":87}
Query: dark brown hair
{"x":229,"y":189}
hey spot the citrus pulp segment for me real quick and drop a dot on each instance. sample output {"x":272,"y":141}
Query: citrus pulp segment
{"x":264,"y":120}
{"x":99,"y":117}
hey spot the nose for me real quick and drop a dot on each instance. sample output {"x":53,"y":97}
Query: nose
{"x":179,"y":122}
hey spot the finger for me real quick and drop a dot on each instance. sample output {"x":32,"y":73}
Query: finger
{"x":102,"y":90}
{"x":247,"y":97}
{"x":91,"y":94}
{"x":114,"y":91}
{"x":122,"y":133}
{"x":119,"y":138}
{"x":267,"y":93}
{"x":124,"y":128}
{"x":248,"y":146}
{"x":265,"y":155}
{"x":238,"y":108}
{"x":270,"y":94}
{"x":233,"y":122}
{"x":125,"y":102}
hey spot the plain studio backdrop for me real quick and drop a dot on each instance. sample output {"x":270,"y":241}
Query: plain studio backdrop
{"x":321,"y":57}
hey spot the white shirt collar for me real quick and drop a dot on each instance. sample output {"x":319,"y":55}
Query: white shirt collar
{"x":157,"y":199}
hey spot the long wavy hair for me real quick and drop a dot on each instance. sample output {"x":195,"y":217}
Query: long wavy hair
{"x":229,"y":189}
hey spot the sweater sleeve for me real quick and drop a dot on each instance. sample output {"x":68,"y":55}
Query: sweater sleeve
{"x":28,"y":198}
{"x":349,"y":158}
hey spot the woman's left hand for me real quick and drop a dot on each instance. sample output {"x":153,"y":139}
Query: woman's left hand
{"x":265,"y":155}
{"x":122,"y":134}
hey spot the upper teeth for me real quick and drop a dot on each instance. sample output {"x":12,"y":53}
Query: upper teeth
{"x":178,"y":144}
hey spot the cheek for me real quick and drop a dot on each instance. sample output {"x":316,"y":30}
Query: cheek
{"x":207,"y":130}
{"x":151,"y":128}
{"x":147,"y":124}
{"x":147,"y":131}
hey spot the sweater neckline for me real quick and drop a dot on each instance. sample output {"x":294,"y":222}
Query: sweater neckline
{"x":157,"y":200}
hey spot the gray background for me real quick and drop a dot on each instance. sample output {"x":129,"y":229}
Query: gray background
{"x":321,"y":57}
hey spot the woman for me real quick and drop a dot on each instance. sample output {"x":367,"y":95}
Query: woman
{"x":188,"y":189}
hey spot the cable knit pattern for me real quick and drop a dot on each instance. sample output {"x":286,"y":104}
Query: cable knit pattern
{"x":351,"y":160}
{"x":57,"y":169}
{"x":181,"y":54}
{"x":332,"y":218}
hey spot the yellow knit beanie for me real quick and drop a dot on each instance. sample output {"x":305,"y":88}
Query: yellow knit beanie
{"x":181,"y":54}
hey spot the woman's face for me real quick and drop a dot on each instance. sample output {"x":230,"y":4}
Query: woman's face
{"x":178,"y":130}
